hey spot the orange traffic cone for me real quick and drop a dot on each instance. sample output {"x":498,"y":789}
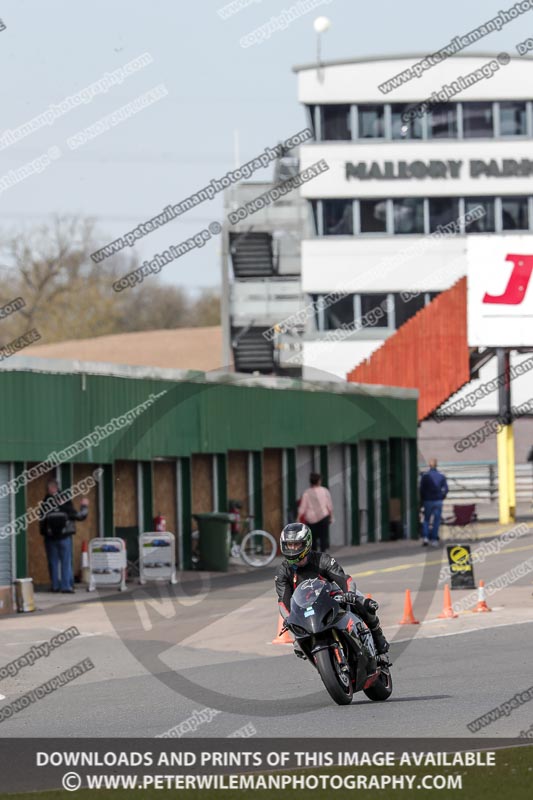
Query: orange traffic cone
{"x":408,"y":616}
{"x":481,"y":601}
{"x":285,"y":638}
{"x":85,"y":574}
{"x":447,"y":610}
{"x":368,"y":596}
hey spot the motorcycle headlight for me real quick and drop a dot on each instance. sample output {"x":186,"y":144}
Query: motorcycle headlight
{"x":299,"y":631}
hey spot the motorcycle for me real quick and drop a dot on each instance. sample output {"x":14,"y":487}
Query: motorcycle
{"x":337,"y":643}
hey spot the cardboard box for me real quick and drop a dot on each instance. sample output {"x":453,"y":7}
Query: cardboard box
{"x":6,"y":600}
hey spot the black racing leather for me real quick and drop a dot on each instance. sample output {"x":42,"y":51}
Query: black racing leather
{"x":318,"y":564}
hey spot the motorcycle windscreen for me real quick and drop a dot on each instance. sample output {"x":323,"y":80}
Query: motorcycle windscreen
{"x":312,"y":606}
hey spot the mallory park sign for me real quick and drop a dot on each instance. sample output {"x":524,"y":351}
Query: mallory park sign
{"x":419,"y":170}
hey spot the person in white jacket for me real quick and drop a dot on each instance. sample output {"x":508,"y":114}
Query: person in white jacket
{"x":316,"y":511}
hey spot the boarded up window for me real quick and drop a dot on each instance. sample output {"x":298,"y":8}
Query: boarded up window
{"x":273,"y":512}
{"x":37,"y":564}
{"x":238,"y":479}
{"x":164,"y":483}
{"x":125,"y":499}
{"x":202,"y":483}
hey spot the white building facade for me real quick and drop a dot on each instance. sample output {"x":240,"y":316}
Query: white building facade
{"x":408,"y":186}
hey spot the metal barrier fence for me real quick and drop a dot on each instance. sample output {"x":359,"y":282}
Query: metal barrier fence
{"x":477,"y":482}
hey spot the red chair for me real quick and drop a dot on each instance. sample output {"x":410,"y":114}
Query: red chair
{"x":463,"y":521}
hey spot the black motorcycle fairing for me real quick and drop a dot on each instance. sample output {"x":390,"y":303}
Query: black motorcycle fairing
{"x":318,"y":621}
{"x":314,"y":608}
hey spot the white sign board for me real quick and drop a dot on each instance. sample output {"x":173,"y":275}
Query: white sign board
{"x":500,"y":291}
{"x":157,"y":557}
{"x":107,"y":563}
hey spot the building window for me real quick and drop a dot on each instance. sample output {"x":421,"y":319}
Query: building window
{"x":478,"y":120}
{"x":336,"y":123}
{"x":408,"y":214}
{"x":513,"y":119}
{"x":373,"y":216}
{"x":371,"y":122}
{"x":339,"y":313}
{"x":406,"y":305}
{"x":315,"y":206}
{"x":442,"y":211}
{"x":311,"y":119}
{"x":484,"y":224}
{"x":398,"y":216}
{"x":515,"y":215}
{"x":442,"y":122}
{"x":374,"y":311}
{"x":338,"y":217}
{"x":401,"y":129}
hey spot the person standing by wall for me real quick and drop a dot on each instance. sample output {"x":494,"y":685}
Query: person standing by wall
{"x":57,"y":526}
{"x":433,"y":490}
{"x":316,"y":511}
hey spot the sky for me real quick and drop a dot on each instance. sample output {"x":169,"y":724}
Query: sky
{"x":213,"y":87}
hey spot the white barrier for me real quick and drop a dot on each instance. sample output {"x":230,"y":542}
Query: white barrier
{"x":107,"y":563}
{"x":157,"y":557}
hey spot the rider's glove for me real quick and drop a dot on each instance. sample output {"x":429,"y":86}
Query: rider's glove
{"x":351,"y":598}
{"x":370,"y":605}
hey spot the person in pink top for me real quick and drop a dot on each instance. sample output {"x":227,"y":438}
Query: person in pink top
{"x":316,"y":511}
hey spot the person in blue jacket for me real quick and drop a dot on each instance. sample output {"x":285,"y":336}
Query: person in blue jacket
{"x":433,"y":490}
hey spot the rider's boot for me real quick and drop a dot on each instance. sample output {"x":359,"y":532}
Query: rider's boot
{"x":382,"y":645}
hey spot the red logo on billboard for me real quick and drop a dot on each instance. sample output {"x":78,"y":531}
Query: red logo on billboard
{"x":516,"y":288}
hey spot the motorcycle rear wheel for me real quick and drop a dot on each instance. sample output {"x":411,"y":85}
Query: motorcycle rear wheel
{"x":341,"y":691}
{"x":381,"y":689}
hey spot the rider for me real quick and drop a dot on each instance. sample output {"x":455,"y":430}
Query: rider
{"x":301,"y":563}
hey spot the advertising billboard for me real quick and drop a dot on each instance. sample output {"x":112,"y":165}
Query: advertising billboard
{"x":500,"y":291}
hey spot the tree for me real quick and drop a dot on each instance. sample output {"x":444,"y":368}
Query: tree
{"x":68,"y":296}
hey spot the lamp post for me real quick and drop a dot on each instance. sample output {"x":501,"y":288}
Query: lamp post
{"x":321,"y":25}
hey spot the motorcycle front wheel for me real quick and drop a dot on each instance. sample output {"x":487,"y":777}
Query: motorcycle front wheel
{"x":337,"y":683}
